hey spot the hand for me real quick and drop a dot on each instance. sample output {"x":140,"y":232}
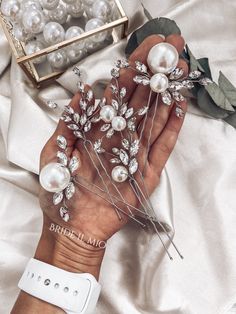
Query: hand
{"x":91,"y":215}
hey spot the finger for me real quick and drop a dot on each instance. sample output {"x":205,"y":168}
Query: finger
{"x":177,"y":41}
{"x":164,"y":144}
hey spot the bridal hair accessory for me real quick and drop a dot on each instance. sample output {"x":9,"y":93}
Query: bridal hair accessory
{"x":116,"y":118}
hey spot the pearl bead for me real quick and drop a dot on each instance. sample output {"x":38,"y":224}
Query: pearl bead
{"x":118,"y":123}
{"x":89,"y":2}
{"x":49,"y":4}
{"x":75,"y":55}
{"x":92,"y":46}
{"x":75,"y":31}
{"x":20,"y":33}
{"x":11,"y":8}
{"x":30,"y":4}
{"x":53,"y":33}
{"x":76,"y":9}
{"x":119,"y":173}
{"x":101,"y":9}
{"x":58,"y":59}
{"x":35,"y":46}
{"x":54,"y":177}
{"x":93,"y":24}
{"x":89,"y":11}
{"x":107,"y":113}
{"x":59,"y":15}
{"x":69,"y":1}
{"x":159,"y":83}
{"x":33,"y":21}
{"x":163,"y":58}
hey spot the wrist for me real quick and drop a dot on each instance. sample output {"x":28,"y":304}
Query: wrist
{"x":69,"y":251}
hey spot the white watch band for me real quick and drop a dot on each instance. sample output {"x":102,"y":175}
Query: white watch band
{"x":75,"y":293}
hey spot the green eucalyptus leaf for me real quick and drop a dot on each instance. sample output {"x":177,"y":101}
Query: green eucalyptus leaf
{"x":219,"y":97}
{"x":207,"y":104}
{"x":231,"y":119}
{"x":204,"y":62}
{"x":160,"y":25}
{"x":193,"y":62}
{"x":147,"y":13}
{"x":228,"y":89}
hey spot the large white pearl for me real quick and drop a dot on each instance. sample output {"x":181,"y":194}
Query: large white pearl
{"x":163,"y":58}
{"x":75,"y":55}
{"x":76,"y":9}
{"x":35,"y":46}
{"x":32,"y":4}
{"x":59,"y":14}
{"x":53,"y":33}
{"x":94,"y":24}
{"x":107,"y":113}
{"x":75,"y":31}
{"x":20,"y":33}
{"x":11,"y":8}
{"x":49,"y":4}
{"x":54,"y":177}
{"x":119,"y":174}
{"x":58,"y":59}
{"x":159,"y":82}
{"x":102,"y":9}
{"x":33,"y":21}
{"x":118,"y":123}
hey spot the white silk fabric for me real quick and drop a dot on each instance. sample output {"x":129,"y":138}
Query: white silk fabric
{"x":196,"y":196}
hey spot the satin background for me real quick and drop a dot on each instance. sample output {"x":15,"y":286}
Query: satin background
{"x":196,"y":196}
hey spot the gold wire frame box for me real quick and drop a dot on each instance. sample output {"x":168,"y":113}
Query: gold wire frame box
{"x":118,"y":29}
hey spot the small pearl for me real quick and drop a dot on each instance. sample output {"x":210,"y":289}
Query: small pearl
{"x":70,"y":1}
{"x":159,"y":83}
{"x":76,"y":9}
{"x":49,"y":4}
{"x":118,"y":123}
{"x":89,"y":11}
{"x":53,"y":33}
{"x":94,"y":24}
{"x":92,"y":46}
{"x":163,"y":58}
{"x":102,"y":9}
{"x":35,"y":46}
{"x":75,"y":31}
{"x":33,"y":21}
{"x":89,"y":2}
{"x":12,"y":9}
{"x":20,"y":33}
{"x":59,"y":15}
{"x":119,"y":174}
{"x":54,"y":177}
{"x":75,"y":55}
{"x":58,"y":59}
{"x":30,"y":4}
{"x":107,"y":113}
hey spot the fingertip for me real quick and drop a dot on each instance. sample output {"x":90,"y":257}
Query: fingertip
{"x":177,"y":41}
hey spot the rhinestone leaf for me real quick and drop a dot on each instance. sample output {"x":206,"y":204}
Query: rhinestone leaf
{"x":116,"y":151}
{"x":205,"y":81}
{"x":188,"y":84}
{"x":125,"y":143}
{"x":195,"y":74}
{"x":179,"y":112}
{"x":110,"y":133}
{"x":166,"y":98}
{"x":118,"y":63}
{"x":102,"y":102}
{"x":70,"y":190}
{"x":64,"y":214}
{"x":134,"y":148}
{"x":61,"y":142}
{"x":177,"y":96}
{"x":124,"y":63}
{"x":90,"y":111}
{"x":175,"y":85}
{"x":78,"y":134}
{"x":115,"y":161}
{"x":95,"y":119}
{"x":123,"y":92}
{"x":123,"y":109}
{"x":97,"y":145}
{"x":73,"y":127}
{"x":143,"y":110}
{"x":62,"y":158}
{"x":83,"y":104}
{"x":100,"y":151}
{"x":89,"y":95}
{"x":51,"y":104}
{"x":69,"y":110}
{"x":129,"y":113}
{"x":115,"y":73}
{"x":83,"y":119}
{"x":66,"y":118}
{"x":115,"y":104}
{"x":141,"y":67}
{"x":133,"y":166}
{"x":124,"y":157}
{"x":114,"y":89}
{"x":105,"y":127}
{"x":96,"y":104}
{"x":176,"y":74}
{"x":141,"y":80}
{"x":87,"y":126}
{"x":76,"y":117}
{"x":73,"y":164}
{"x":131,"y":124}
{"x":77,"y":71}
{"x":81,"y":87}
{"x":57,"y":198}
